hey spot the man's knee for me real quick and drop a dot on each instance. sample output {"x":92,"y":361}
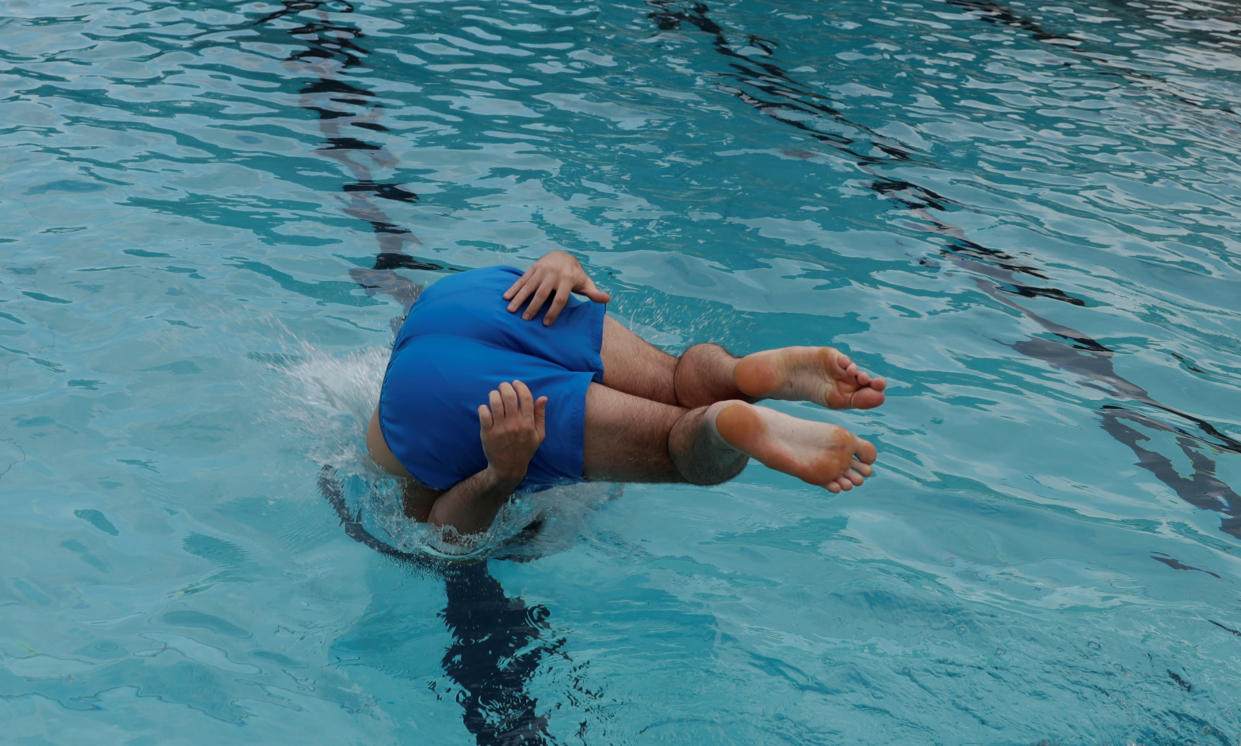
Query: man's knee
{"x":710,"y":473}
{"x":700,"y":353}
{"x":700,"y":454}
{"x":703,"y":374}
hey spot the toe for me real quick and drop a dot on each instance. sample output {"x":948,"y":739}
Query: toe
{"x":867,"y":397}
{"x":865,"y":451}
{"x":853,"y":476}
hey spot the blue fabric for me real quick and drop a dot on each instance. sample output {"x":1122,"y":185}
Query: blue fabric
{"x":457,"y":344}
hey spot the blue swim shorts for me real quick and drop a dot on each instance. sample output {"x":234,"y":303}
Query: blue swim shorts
{"x":457,"y":344}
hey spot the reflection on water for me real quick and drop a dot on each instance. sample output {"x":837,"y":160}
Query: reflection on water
{"x":496,"y":643}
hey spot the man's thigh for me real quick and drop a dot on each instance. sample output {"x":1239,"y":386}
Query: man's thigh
{"x":626,"y":437}
{"x":634,"y":366}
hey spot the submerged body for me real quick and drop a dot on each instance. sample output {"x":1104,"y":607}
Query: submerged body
{"x":458,"y":416}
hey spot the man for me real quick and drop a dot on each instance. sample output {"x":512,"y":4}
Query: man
{"x":609,"y":406}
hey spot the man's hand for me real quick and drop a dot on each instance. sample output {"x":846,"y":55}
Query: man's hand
{"x":511,"y":428}
{"x":556,"y":274}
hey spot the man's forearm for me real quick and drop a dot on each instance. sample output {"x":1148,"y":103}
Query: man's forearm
{"x":471,"y":504}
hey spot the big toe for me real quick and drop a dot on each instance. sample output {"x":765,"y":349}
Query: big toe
{"x":867,"y":398}
{"x":865,"y":451}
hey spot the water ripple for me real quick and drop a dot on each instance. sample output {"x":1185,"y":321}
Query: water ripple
{"x":1025,"y":215}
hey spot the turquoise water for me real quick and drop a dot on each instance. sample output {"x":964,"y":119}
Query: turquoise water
{"x":1025,"y":216}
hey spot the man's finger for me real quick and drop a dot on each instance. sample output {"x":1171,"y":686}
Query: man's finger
{"x":484,"y":417}
{"x":590,"y":290}
{"x":497,"y":404}
{"x":525,"y":399}
{"x":540,"y":297}
{"x":519,"y":291}
{"x":517,"y":284}
{"x":558,"y":303}
{"x":540,"y":415}
{"x":509,"y":395}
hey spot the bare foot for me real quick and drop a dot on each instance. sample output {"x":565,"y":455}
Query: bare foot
{"x":823,"y":375}
{"x":814,"y":452}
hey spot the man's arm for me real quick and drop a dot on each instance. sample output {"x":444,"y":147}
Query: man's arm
{"x":511,"y":426}
{"x":418,"y":499}
{"x":554,"y":276}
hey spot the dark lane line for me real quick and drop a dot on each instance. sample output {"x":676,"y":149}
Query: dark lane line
{"x":785,"y":95}
{"x":998,"y":274}
{"x":332,"y":48}
{"x":1204,"y":490}
{"x":497,"y":641}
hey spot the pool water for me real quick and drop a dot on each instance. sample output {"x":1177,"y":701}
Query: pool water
{"x":1025,"y":216}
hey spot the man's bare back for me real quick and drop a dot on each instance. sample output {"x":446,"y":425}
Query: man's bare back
{"x":652,"y":418}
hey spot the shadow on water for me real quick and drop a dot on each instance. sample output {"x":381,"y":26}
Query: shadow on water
{"x":497,"y":641}
{"x":772,"y":91}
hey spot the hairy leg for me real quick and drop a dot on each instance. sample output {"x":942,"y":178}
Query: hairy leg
{"x":634,"y":366}
{"x":702,"y":375}
{"x":707,"y":373}
{"x":631,"y":439}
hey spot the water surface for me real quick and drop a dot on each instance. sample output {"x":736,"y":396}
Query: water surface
{"x":1025,"y":216}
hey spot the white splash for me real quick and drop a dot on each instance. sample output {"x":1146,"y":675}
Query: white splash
{"x":331,"y":398}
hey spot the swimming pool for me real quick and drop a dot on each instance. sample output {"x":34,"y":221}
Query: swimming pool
{"x":1025,"y":216}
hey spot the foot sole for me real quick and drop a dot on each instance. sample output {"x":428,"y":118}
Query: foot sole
{"x":823,"y":375}
{"x":815,"y":452}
